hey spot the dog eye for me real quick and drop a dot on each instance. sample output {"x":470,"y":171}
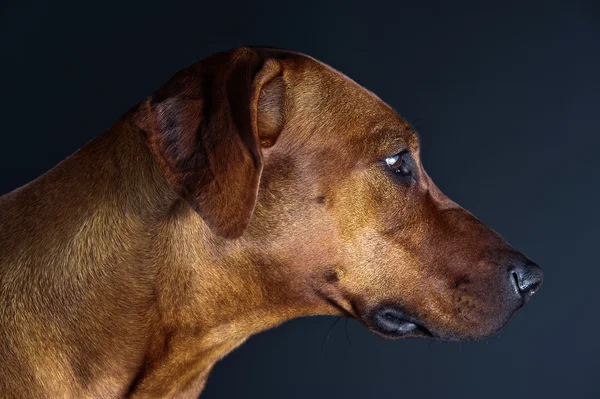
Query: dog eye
{"x":399,"y":164}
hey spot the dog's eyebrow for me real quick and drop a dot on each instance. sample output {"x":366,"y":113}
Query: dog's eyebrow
{"x":415,"y":137}
{"x":393,"y":140}
{"x":413,"y":134}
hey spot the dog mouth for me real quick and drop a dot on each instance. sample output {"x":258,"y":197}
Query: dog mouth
{"x":391,"y":322}
{"x":387,"y":321}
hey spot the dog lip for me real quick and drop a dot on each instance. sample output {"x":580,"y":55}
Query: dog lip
{"x":391,"y":322}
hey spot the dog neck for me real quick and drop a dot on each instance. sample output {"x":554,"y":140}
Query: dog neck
{"x":209,"y":293}
{"x":170,"y":297}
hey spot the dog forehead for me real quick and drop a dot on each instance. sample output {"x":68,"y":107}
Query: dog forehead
{"x":336,"y":105}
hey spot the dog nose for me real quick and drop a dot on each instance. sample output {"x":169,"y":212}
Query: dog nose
{"x":527,"y":279}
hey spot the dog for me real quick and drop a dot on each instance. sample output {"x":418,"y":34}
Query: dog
{"x":255,"y":186}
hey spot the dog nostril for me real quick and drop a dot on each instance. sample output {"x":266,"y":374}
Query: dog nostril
{"x":528,"y":278}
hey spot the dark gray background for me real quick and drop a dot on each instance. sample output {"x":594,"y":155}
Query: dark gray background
{"x":505,"y":97}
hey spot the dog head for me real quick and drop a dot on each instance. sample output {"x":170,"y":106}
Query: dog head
{"x":321,"y":183}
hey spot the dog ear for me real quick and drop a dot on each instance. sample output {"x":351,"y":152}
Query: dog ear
{"x":205,"y":127}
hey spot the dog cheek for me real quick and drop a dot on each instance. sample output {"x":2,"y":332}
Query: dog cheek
{"x":334,"y":274}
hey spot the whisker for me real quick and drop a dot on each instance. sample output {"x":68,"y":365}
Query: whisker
{"x":347,"y":336}
{"x":326,"y":339}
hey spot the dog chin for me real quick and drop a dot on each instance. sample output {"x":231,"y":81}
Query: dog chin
{"x":391,"y":322}
{"x":402,"y":329}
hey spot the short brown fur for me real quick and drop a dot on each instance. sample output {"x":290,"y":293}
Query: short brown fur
{"x":247,"y":191}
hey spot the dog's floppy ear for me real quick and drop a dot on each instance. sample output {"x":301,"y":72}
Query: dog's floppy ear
{"x":205,"y":128}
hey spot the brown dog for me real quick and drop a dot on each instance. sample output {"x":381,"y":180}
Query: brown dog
{"x":255,"y":186}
